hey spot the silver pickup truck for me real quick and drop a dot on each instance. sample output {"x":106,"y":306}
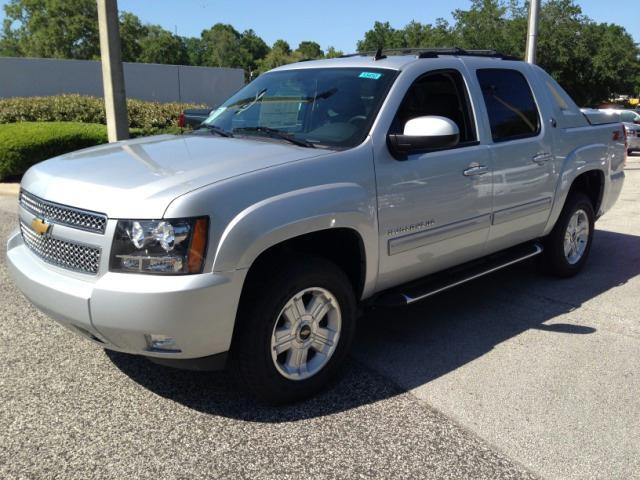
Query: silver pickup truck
{"x":319,"y":187}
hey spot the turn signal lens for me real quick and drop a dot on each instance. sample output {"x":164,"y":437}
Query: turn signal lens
{"x":198,"y":247}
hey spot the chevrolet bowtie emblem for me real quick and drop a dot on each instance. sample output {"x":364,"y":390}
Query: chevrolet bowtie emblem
{"x":40,"y":226}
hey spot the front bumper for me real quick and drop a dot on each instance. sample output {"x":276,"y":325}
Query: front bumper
{"x":117,"y":310}
{"x":633,"y":143}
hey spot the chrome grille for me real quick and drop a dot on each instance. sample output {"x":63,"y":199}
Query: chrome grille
{"x":71,"y":256}
{"x":61,"y":214}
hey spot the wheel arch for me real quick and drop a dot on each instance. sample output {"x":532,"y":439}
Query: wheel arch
{"x":335,"y":221}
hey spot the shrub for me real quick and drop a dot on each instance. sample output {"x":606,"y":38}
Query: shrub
{"x":80,"y":108}
{"x":24,"y":144}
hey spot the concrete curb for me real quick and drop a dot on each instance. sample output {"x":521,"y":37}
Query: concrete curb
{"x":9,"y":189}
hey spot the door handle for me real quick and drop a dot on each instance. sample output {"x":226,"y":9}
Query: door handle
{"x":475,"y":169}
{"x":541,"y":158}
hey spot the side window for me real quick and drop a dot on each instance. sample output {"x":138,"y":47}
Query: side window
{"x":441,"y":93}
{"x":512,"y":110}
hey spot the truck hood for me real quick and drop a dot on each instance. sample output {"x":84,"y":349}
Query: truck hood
{"x":139,"y":178}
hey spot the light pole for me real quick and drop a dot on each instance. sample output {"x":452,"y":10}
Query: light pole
{"x":532,"y":33}
{"x":115,"y":99}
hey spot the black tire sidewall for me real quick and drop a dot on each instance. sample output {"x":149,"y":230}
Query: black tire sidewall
{"x":258,"y":317}
{"x":556,"y":259}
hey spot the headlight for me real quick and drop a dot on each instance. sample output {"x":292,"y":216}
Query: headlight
{"x":168,"y":247}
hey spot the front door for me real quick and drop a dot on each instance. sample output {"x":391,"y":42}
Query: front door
{"x":434,"y":208}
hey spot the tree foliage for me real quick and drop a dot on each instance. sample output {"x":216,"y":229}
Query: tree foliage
{"x":591,"y":60}
{"x":51,"y":28}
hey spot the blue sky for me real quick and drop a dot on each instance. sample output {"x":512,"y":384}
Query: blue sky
{"x":340,"y":23}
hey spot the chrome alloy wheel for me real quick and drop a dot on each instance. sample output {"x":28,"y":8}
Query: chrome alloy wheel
{"x":576,"y":237}
{"x":306,"y":333}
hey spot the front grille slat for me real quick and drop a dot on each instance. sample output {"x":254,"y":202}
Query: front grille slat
{"x":64,"y":215}
{"x":64,"y":254}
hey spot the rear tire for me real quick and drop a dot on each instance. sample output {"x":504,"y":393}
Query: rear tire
{"x":294,"y":331}
{"x":568,"y":245}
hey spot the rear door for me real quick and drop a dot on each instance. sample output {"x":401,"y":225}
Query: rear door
{"x":524,"y":176}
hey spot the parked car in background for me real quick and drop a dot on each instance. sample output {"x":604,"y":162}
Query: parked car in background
{"x":317,"y":188}
{"x":633,"y":137}
{"x":193,"y":117}
{"x":631,"y":122}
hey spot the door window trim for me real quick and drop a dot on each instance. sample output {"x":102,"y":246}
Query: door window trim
{"x":471,"y":112}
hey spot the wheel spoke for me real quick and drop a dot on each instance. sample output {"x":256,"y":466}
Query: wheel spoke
{"x":300,"y":309}
{"x":323,"y":340}
{"x":319,"y":307}
{"x":297,"y":360}
{"x":283,"y":340}
{"x":290,"y":314}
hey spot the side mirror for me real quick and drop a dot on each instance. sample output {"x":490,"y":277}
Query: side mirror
{"x":423,"y":134}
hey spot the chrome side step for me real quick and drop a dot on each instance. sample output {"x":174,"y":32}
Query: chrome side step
{"x":439,"y":282}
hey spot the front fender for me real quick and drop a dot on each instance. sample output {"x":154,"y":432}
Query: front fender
{"x":289,"y":215}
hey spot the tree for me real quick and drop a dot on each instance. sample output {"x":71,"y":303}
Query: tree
{"x":383,"y":35}
{"x":195,"y":50}
{"x":491,"y":24}
{"x":131,"y":31}
{"x":222,"y":47}
{"x":51,"y":29}
{"x":310,"y":50}
{"x":255,"y":49}
{"x":590,"y":60}
{"x":333,"y":53}
{"x":280,"y":54}
{"x":161,"y":46}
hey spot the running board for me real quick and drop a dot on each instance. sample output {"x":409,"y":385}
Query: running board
{"x":439,"y":282}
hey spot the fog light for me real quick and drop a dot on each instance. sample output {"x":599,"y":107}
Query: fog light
{"x":161,"y":343}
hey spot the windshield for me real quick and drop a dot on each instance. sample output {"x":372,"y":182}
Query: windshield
{"x":331,"y":107}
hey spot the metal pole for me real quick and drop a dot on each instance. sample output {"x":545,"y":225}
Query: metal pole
{"x":115,"y":99}
{"x":532,"y":33}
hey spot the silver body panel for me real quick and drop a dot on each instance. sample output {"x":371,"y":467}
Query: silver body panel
{"x":414,"y":217}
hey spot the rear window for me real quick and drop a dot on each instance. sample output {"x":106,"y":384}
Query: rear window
{"x":512,"y":110}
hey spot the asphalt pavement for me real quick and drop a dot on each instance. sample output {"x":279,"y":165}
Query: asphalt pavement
{"x":517,"y":375}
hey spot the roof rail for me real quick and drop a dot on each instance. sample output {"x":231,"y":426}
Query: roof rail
{"x":430,"y":53}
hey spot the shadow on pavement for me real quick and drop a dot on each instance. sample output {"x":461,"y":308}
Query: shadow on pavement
{"x":426,"y":340}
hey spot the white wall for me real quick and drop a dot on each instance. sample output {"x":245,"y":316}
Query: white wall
{"x":25,"y":77}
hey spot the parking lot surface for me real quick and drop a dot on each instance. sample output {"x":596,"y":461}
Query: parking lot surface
{"x":517,"y":375}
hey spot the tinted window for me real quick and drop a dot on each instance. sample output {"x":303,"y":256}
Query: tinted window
{"x":441,"y":93}
{"x":510,"y":104}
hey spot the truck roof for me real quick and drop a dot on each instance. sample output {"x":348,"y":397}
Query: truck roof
{"x":397,"y":58}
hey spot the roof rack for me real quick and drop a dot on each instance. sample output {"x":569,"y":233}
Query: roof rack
{"x":430,"y":53}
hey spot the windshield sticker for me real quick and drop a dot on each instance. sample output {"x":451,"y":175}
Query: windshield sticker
{"x":371,"y":75}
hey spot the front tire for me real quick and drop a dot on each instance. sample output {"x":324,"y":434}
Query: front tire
{"x":568,"y":245}
{"x":295,"y":330}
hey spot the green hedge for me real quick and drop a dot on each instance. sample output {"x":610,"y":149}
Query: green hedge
{"x":79,"y":108}
{"x":24,"y":144}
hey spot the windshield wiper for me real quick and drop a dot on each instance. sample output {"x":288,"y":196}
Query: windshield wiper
{"x":213,"y":129}
{"x":272,"y":132}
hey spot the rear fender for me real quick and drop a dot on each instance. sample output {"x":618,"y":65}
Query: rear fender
{"x":578,"y":162}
